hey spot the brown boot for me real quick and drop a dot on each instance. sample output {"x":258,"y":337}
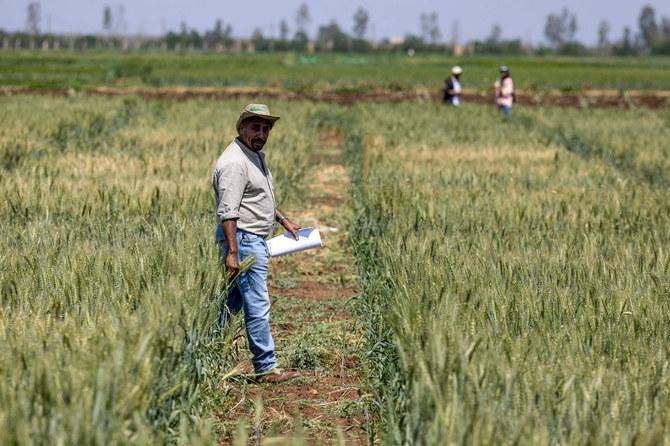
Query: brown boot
{"x":278,"y":376}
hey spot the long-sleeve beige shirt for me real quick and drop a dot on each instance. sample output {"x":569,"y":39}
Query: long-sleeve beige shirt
{"x":504,"y":91}
{"x":243,"y":189}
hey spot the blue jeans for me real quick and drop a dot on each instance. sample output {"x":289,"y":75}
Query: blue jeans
{"x":250,"y":293}
{"x":505,"y":109}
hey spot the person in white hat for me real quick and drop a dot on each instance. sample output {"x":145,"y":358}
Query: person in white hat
{"x":452,"y":87}
{"x":246,"y":213}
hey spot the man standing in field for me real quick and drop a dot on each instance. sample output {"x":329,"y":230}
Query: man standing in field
{"x":452,"y":87}
{"x":246,"y":213}
{"x":504,"y":91}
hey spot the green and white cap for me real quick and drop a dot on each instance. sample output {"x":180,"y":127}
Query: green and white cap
{"x":257,"y":110}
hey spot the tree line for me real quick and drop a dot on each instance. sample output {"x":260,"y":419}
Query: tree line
{"x":653,"y":37}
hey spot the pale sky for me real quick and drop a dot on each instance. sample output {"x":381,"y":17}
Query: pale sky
{"x":523,"y":19}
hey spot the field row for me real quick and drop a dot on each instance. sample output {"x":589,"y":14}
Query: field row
{"x":110,"y":280}
{"x":516,"y":275}
{"x":323,"y":72}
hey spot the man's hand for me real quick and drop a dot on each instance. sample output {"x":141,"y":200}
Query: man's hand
{"x":291,"y":227}
{"x":232,"y":265}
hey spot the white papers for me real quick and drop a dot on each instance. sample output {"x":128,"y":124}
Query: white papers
{"x":286,"y":244}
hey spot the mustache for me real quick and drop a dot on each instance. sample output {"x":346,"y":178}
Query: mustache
{"x":258,"y":140}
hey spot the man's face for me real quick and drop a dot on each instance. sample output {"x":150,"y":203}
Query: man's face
{"x":254,"y":133}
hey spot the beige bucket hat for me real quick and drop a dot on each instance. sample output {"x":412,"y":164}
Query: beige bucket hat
{"x":457,"y":70}
{"x":258,"y":110}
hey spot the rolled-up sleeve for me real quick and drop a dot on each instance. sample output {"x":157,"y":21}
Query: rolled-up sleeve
{"x":230,"y":183}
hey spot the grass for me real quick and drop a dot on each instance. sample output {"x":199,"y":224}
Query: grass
{"x":331,"y":72}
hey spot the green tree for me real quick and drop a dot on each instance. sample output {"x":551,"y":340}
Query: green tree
{"x":494,"y":44}
{"x":302,"y":18}
{"x":283,"y":30}
{"x":648,"y":27}
{"x":496,"y":33}
{"x":259,"y":41}
{"x":553,"y":30}
{"x":331,"y":37}
{"x":430,"y":29}
{"x":107,"y":19}
{"x":34,"y":18}
{"x":300,"y":41}
{"x":412,"y":42}
{"x":662,"y":45}
{"x":560,"y":28}
{"x":361,"y":22}
{"x":603,"y":36}
{"x":665,"y":29}
{"x":328,"y":32}
{"x":219,"y":35}
{"x":195,"y":39}
{"x":624,"y":48}
{"x":572,"y":28}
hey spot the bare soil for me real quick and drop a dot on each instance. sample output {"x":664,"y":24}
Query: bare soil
{"x":311,"y":292}
{"x":581,"y":99}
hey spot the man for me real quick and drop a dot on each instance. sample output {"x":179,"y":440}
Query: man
{"x":246,"y":213}
{"x":504,"y":91}
{"x":452,"y":87}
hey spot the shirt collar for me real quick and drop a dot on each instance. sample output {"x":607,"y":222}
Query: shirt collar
{"x":257,"y":158}
{"x":247,"y":150}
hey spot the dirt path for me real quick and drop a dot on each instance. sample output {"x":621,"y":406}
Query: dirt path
{"x":580,"y":99}
{"x":313,"y":328}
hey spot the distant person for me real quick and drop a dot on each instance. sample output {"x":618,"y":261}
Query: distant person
{"x":504,"y":90}
{"x":452,"y":87}
{"x":246,"y":213}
